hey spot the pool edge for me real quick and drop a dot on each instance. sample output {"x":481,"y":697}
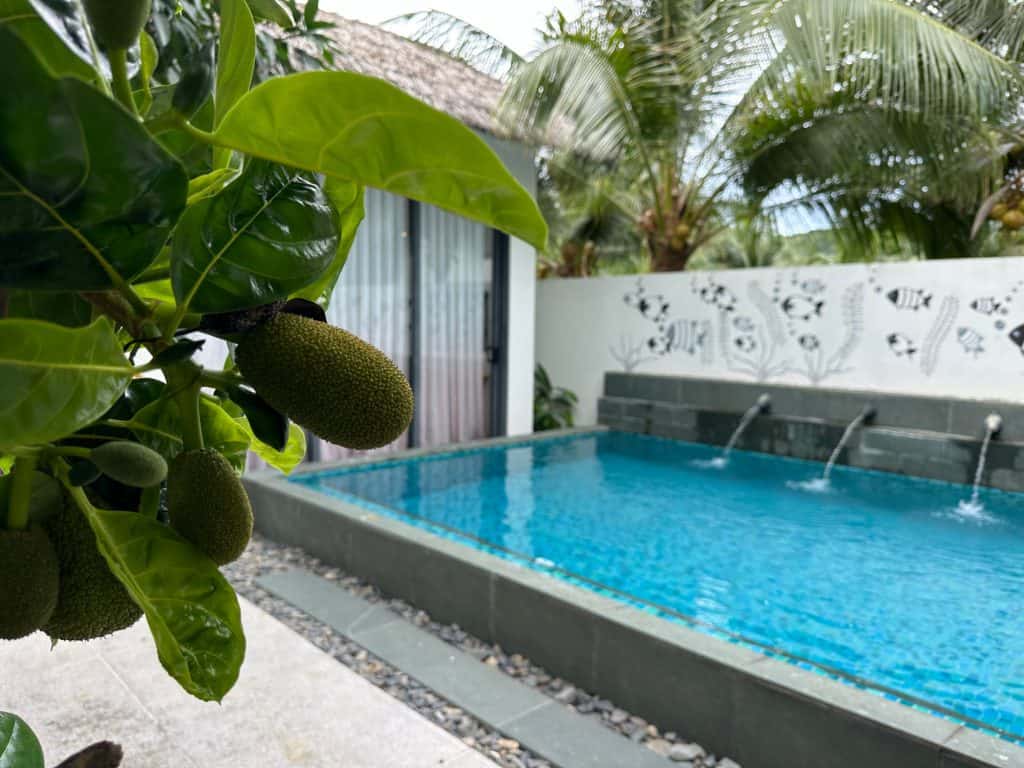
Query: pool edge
{"x":761,"y":711}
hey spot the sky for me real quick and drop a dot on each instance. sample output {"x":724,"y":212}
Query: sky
{"x":514,"y":23}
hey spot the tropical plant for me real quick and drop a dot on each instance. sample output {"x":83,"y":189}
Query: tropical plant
{"x":553,"y":407}
{"x":131,"y":216}
{"x":873,"y":116}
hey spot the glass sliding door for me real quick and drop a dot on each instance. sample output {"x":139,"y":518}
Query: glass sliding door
{"x":451,"y":368}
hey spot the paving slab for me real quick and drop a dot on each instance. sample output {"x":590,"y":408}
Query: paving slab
{"x":293,"y":706}
{"x":542,"y":725}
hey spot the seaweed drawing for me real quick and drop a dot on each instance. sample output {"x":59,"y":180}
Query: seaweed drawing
{"x":818,"y":365}
{"x":629,"y":354}
{"x":755,"y":351}
{"x":939,"y":331}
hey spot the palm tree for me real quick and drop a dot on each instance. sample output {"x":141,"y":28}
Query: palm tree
{"x":874,"y":116}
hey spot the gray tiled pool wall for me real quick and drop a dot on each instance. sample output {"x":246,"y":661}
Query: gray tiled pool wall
{"x":764,"y":712}
{"x":922,"y":436}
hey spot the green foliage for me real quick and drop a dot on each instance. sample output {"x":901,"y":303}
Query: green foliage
{"x":206,"y":504}
{"x":327,"y":380}
{"x":553,"y":407}
{"x":19,"y":747}
{"x":146,"y":194}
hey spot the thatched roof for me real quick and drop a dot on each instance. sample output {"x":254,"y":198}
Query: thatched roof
{"x":430,"y":75}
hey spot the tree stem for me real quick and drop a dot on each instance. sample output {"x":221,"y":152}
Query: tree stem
{"x":21,"y":493}
{"x":119,"y":79}
{"x":184,"y":380}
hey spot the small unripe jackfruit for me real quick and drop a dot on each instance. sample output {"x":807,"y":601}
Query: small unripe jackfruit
{"x":29,"y":581}
{"x":207,"y":504}
{"x":92,"y":602}
{"x":327,"y":380}
{"x":117,"y":23}
{"x":130,"y":463}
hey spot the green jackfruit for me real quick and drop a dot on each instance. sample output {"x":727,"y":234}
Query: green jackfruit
{"x":207,"y":504}
{"x":92,"y":602}
{"x":327,"y":380}
{"x":117,"y":23}
{"x":29,"y":581}
{"x":130,"y":463}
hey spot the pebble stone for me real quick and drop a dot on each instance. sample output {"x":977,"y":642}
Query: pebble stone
{"x":264,"y":556}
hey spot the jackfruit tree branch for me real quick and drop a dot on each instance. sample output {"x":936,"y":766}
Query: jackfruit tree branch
{"x":184,"y":381}
{"x":21,"y":493}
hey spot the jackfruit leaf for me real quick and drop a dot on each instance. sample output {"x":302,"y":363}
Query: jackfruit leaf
{"x":191,"y":609}
{"x":347,"y":199}
{"x":6,"y":462}
{"x":267,"y":425}
{"x":272,"y":10}
{"x":20,"y":17}
{"x":19,"y":747}
{"x":220,"y":431}
{"x":55,"y":380}
{"x":63,"y":308}
{"x":149,"y":57}
{"x":84,"y":194}
{"x":236,"y":58}
{"x":66,"y":19}
{"x":360,"y":129}
{"x":183,"y":350}
{"x":284,"y":460}
{"x":210,"y":184}
{"x":269,"y":233}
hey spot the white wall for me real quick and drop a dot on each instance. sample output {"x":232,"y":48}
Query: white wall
{"x":519,"y":159}
{"x":945,"y":328}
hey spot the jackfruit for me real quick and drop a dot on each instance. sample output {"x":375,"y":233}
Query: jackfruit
{"x":29,"y":581}
{"x":1013,"y":220}
{"x":92,"y":602}
{"x":327,"y":380}
{"x":130,"y":463}
{"x":117,"y":23}
{"x":207,"y":504}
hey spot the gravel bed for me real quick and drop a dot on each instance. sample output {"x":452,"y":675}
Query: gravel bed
{"x":265,"y":556}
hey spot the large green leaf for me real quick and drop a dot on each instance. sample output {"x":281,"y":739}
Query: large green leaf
{"x":285,"y":460}
{"x":191,"y":609}
{"x":270,"y":233}
{"x":236,"y":58}
{"x":55,"y":380}
{"x":347,"y":199}
{"x":365,"y":130}
{"x":220,"y":431}
{"x":21,"y":17}
{"x":63,"y":308}
{"x":19,"y":747}
{"x":85,"y":193}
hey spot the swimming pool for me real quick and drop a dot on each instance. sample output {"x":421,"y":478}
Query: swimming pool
{"x":879,"y":578}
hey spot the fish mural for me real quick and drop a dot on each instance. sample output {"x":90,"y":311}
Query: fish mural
{"x":743,"y":324}
{"x":799,"y":307}
{"x":1017,"y":337}
{"x":901,"y":345}
{"x":809,"y":342}
{"x":745,"y":343}
{"x":685,"y":335}
{"x":970,"y":340}
{"x":812,"y":285}
{"x":909,"y":298}
{"x":986,"y":305}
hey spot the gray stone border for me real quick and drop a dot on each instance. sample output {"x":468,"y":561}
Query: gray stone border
{"x":764,"y":712}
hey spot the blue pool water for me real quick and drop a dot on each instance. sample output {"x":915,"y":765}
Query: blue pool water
{"x":880,"y":577}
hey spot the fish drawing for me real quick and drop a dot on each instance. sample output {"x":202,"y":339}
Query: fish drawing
{"x":814,"y":285}
{"x":653,"y":308}
{"x":724,"y":298}
{"x":1017,"y":337}
{"x":809,"y":342}
{"x":986,"y":305}
{"x":802,"y":307}
{"x":909,"y":298}
{"x":745,"y":343}
{"x":743,"y":324}
{"x":901,"y":345}
{"x":707,"y":294}
{"x":970,"y":340}
{"x":685,"y":335}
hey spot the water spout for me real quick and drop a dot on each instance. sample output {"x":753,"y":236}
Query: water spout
{"x":993,"y":426}
{"x":762,"y":405}
{"x":866,"y":414}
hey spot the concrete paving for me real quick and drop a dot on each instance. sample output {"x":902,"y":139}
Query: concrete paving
{"x":293,"y":706}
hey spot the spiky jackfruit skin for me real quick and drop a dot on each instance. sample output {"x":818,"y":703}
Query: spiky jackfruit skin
{"x":327,"y":380}
{"x":130,"y":463}
{"x":92,"y":602}
{"x":29,"y":581}
{"x":207,"y":504}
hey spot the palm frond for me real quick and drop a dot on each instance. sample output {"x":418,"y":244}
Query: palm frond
{"x":459,"y":39}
